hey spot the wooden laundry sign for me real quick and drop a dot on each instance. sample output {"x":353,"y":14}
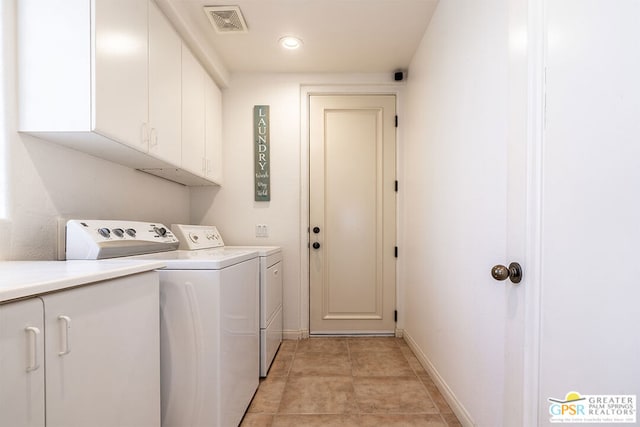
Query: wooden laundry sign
{"x":261,"y":153}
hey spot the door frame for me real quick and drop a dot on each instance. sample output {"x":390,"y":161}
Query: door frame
{"x":338,"y":90}
{"x":531,"y":15}
{"x":526,"y":129}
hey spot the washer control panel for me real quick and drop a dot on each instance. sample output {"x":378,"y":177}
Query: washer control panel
{"x":197,"y":236}
{"x":98,"y":239}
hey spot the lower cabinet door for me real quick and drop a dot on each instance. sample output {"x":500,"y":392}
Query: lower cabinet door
{"x":103,"y":362}
{"x":22,"y":364}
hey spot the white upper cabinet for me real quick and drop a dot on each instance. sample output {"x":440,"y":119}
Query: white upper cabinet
{"x":213,"y":131}
{"x":105,"y":77}
{"x":84,"y":75}
{"x":165,"y":88}
{"x":193,"y":116}
{"x":54,"y":60}
{"x":201,"y":120}
{"x":120,"y":80}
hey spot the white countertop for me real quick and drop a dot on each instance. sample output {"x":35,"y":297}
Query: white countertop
{"x":19,"y":279}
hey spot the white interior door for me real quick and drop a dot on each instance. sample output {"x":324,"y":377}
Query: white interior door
{"x":352,"y":214}
{"x":591,"y":206}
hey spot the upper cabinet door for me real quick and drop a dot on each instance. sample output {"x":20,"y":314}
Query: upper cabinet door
{"x":165,"y":88}
{"x":193,"y":131}
{"x":213,"y":131}
{"x":120,"y":84}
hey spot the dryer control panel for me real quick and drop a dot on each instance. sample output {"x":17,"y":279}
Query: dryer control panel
{"x":194,"y":237}
{"x":99,"y":239}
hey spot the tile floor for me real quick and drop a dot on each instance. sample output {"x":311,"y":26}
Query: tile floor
{"x":347,"y":382}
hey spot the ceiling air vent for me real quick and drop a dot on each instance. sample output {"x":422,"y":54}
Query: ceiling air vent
{"x":226,"y":19}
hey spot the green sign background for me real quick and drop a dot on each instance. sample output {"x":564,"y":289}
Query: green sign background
{"x":261,"y":162}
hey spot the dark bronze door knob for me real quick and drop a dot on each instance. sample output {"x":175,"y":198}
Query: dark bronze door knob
{"x":513,"y":272}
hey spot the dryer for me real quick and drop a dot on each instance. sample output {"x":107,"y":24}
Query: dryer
{"x":192,"y":237}
{"x":209,"y":326}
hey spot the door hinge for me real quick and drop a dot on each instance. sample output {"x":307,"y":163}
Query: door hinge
{"x":395,"y":252}
{"x":396,"y":120}
{"x":396,"y":186}
{"x":395,"y":316}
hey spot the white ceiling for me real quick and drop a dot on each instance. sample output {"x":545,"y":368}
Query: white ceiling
{"x":338,"y":35}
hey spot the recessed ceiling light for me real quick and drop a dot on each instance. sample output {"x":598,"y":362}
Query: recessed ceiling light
{"x":290,"y":42}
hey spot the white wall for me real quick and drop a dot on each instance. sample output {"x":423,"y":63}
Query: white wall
{"x":232,"y":208}
{"x":453,"y":203}
{"x":45,"y":181}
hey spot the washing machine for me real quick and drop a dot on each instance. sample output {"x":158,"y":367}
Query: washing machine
{"x":192,"y":237}
{"x":209,"y":326}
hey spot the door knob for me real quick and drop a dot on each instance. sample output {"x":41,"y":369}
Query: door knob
{"x":513,"y":272}
{"x":316,"y":245}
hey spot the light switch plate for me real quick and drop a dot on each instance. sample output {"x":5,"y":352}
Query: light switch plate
{"x":262,"y":230}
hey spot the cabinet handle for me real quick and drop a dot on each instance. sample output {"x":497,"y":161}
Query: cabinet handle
{"x":66,"y":325}
{"x":153,"y":137}
{"x":275,"y":272}
{"x":33,"y":348}
{"x":144,"y":134}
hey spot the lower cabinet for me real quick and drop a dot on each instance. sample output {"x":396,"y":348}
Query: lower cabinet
{"x":22,"y":364}
{"x":99,"y":356}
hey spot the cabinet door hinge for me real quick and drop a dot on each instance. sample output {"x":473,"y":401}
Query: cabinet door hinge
{"x":395,"y":252}
{"x":396,"y":187}
{"x":396,"y":120}
{"x":395,"y":316}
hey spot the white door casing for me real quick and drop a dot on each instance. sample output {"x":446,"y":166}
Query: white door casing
{"x":352,"y":205}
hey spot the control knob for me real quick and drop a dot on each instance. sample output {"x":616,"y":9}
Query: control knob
{"x":161,"y":231}
{"x":118,"y":232}
{"x":104,"y":232}
{"x":131,"y":232}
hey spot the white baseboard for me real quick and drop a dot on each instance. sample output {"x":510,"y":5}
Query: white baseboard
{"x":457,"y":408}
{"x":293,"y":334}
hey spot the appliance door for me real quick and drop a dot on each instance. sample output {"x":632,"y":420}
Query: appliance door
{"x":270,"y":339}
{"x":271,"y":297}
{"x":209,"y":344}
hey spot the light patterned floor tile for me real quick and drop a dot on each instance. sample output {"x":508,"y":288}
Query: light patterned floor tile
{"x":397,"y":395}
{"x":348,"y":382}
{"x":318,"y":395}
